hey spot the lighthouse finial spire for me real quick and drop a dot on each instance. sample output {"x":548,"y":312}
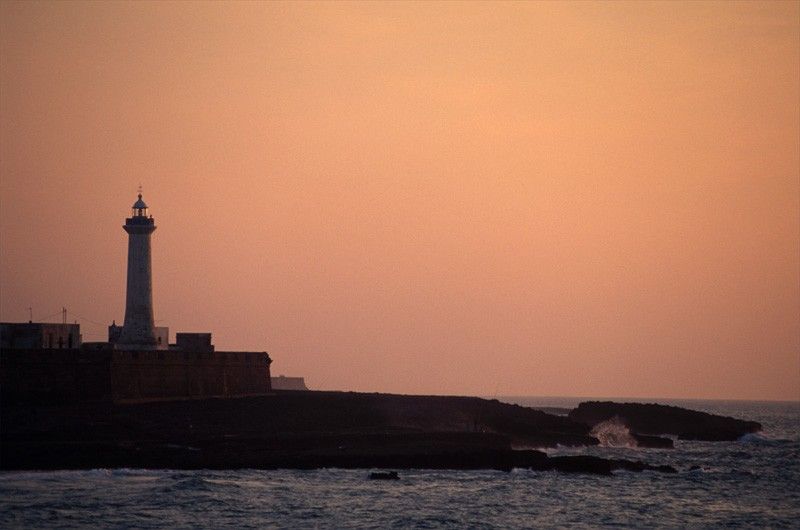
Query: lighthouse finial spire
{"x":139,"y":189}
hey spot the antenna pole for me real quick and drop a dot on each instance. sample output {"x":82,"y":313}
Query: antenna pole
{"x":63,"y":315}
{"x":30,"y":314}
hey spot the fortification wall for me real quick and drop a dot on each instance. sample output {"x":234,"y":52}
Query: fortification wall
{"x":40,"y":376}
{"x":160,"y":375}
{"x":66,"y":376}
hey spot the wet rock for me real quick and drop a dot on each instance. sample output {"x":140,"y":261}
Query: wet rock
{"x":653,"y":442}
{"x":652,"y":419}
{"x":388,"y":475}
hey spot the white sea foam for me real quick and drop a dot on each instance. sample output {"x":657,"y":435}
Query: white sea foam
{"x":614,"y":433}
{"x":761,"y":439}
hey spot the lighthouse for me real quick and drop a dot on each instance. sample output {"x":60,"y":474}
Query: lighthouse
{"x":138,"y":330}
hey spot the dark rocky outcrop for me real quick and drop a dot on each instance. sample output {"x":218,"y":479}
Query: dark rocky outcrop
{"x":308,"y":430}
{"x":388,"y":475}
{"x":434,"y":451}
{"x":602,"y":466}
{"x":652,"y":442}
{"x":652,"y":419}
{"x":296,"y":430}
{"x":525,"y":427}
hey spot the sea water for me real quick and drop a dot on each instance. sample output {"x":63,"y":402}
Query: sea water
{"x":750,"y":483}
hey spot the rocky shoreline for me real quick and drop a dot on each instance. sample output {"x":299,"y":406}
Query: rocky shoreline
{"x":306,"y":430}
{"x":647,"y":421}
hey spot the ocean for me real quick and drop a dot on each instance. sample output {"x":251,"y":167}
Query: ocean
{"x":750,"y":483}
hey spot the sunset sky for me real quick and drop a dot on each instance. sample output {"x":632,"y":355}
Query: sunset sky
{"x":575,"y":199}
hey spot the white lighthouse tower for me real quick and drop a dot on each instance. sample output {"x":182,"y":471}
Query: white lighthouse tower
{"x":138,"y":331}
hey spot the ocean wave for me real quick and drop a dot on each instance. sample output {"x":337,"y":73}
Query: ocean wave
{"x":762,"y":439}
{"x":188,"y":483}
{"x":614,"y":433}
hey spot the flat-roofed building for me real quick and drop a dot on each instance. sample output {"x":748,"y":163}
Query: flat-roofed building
{"x":39,"y":335}
{"x":197,"y":342}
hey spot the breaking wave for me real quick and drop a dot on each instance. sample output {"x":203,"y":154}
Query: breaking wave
{"x":761,"y":439}
{"x":614,"y":433}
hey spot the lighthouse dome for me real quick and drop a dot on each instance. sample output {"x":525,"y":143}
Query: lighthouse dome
{"x":139,"y":204}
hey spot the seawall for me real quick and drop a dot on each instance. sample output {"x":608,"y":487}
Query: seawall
{"x":163,"y":375}
{"x":76,"y":376}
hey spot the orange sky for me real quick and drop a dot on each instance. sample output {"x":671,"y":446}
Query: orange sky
{"x":593,"y":199}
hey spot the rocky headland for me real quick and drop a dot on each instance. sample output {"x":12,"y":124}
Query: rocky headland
{"x":300,"y":430}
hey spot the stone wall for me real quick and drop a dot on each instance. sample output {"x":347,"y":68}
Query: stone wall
{"x":64,"y":376}
{"x":54,"y":376}
{"x":159,"y":375}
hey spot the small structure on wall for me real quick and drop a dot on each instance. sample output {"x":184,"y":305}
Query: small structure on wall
{"x":200,"y":342}
{"x":283,"y":382}
{"x":39,"y":335}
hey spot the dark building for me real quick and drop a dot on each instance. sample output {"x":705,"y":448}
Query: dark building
{"x":39,"y":335}
{"x":32,"y":372}
{"x":198,"y":342}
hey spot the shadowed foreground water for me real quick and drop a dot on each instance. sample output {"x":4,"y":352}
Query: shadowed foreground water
{"x":749,"y":483}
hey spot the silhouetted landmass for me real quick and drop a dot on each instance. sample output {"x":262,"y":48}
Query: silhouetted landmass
{"x":556,"y":411}
{"x":309,"y":430}
{"x":653,"y":419}
{"x":297,"y":430}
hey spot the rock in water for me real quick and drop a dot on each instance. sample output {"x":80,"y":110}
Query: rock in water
{"x":389,"y":475}
{"x":653,"y":419}
{"x":653,"y":442}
